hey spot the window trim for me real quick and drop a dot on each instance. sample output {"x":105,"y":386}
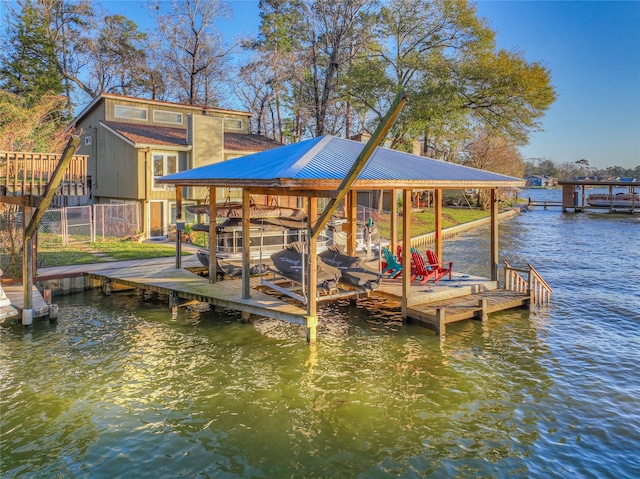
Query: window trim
{"x":233,"y":119}
{"x":120,"y":117}
{"x":155,"y":187}
{"x":181,"y":122}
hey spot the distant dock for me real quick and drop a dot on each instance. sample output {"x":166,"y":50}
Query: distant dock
{"x":574,"y":196}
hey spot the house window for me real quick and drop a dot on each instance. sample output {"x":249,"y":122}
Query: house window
{"x":164,"y":164}
{"x":130,"y":113}
{"x":230,"y":124}
{"x":87,"y":140}
{"x":172,"y":117}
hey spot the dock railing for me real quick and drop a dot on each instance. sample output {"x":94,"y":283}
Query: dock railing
{"x":527,"y":281}
{"x":23,"y":174}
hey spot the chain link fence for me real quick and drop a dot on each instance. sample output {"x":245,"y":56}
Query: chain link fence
{"x":87,"y":224}
{"x":66,"y":226}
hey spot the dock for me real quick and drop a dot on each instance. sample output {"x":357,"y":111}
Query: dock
{"x":182,"y":285}
{"x":15,"y":293}
{"x":431,"y":305}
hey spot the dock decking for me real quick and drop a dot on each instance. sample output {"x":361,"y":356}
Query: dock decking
{"x":180,"y":283}
{"x":433,"y":305}
{"x":15,"y":294}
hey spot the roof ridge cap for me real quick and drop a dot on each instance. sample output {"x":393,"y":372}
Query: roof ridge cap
{"x":294,"y":169}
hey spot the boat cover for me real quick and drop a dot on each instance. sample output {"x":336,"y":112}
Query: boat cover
{"x":288,"y":262}
{"x":351,"y":270}
{"x":224,"y":268}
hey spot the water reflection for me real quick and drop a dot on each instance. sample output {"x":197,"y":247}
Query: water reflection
{"x":118,"y":387}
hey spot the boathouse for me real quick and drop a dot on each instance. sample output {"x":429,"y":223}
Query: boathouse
{"x":334,"y":168}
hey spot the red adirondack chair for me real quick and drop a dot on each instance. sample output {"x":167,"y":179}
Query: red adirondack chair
{"x":419,"y":270}
{"x":438,"y":268}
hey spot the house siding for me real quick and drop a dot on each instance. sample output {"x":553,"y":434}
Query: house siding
{"x":119,"y":175}
{"x":120,"y":171}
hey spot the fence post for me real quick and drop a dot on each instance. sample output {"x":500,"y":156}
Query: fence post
{"x":92,"y":224}
{"x":63,"y":226}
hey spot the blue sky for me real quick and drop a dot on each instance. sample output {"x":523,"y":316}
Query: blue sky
{"x":591,"y":47}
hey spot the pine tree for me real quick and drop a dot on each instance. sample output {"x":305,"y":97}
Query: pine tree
{"x":29,"y":67}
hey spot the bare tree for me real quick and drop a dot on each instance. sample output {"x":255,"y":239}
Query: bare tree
{"x":493,"y":153}
{"x":115,"y":55}
{"x":193,"y":54}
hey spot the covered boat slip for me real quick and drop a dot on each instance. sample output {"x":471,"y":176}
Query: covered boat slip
{"x":336,"y":169}
{"x":622,"y":196}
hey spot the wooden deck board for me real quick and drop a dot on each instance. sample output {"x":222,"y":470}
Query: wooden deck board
{"x":15,"y":294}
{"x":190,"y":286}
{"x":467,"y":307}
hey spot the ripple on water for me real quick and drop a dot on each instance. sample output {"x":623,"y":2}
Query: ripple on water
{"x":118,"y":387}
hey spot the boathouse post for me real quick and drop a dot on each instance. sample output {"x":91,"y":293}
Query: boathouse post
{"x":437,"y":199}
{"x":312,"y":283}
{"x":27,"y":261}
{"x":352,"y":222}
{"x":440,"y":323}
{"x":179,"y":226}
{"x":394,"y":222}
{"x":406,"y":250}
{"x":493,"y":263}
{"x":246,"y":244}
{"x":213,"y":238}
{"x":482,"y":314}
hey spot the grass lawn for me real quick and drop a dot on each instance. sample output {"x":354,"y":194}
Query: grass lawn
{"x":423,"y":222}
{"x":51,"y":255}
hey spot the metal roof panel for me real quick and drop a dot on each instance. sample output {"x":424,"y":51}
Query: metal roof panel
{"x":330,"y":158}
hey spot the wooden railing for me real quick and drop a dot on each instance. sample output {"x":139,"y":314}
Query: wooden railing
{"x":23,"y":174}
{"x":527,"y":282}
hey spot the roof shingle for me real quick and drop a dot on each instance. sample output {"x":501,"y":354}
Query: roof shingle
{"x":168,"y":136}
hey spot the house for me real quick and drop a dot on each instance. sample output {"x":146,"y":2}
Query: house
{"x":132,"y":141}
{"x":538,"y":181}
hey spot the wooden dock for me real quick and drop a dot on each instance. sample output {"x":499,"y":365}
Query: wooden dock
{"x":436,"y":315}
{"x":448,"y":301}
{"x":432,"y":305}
{"x":15,"y":293}
{"x":181,"y":284}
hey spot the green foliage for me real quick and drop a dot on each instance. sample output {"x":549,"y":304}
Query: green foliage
{"x":29,"y":66}
{"x":354,"y":60}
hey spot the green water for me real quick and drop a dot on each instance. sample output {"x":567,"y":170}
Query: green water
{"x":119,"y":388}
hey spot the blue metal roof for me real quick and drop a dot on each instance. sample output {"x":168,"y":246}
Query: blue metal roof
{"x":330,"y":158}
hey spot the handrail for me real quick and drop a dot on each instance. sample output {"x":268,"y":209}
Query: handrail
{"x":534,"y":285}
{"x":27,"y":173}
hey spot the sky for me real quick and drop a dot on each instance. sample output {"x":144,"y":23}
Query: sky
{"x":592,"y":49}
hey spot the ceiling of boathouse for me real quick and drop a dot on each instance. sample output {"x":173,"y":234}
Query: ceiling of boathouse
{"x":322,"y":163}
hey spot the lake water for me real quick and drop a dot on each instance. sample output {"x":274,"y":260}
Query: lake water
{"x":117,"y":388}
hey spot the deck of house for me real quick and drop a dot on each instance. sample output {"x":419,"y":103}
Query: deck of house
{"x":27,"y":174}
